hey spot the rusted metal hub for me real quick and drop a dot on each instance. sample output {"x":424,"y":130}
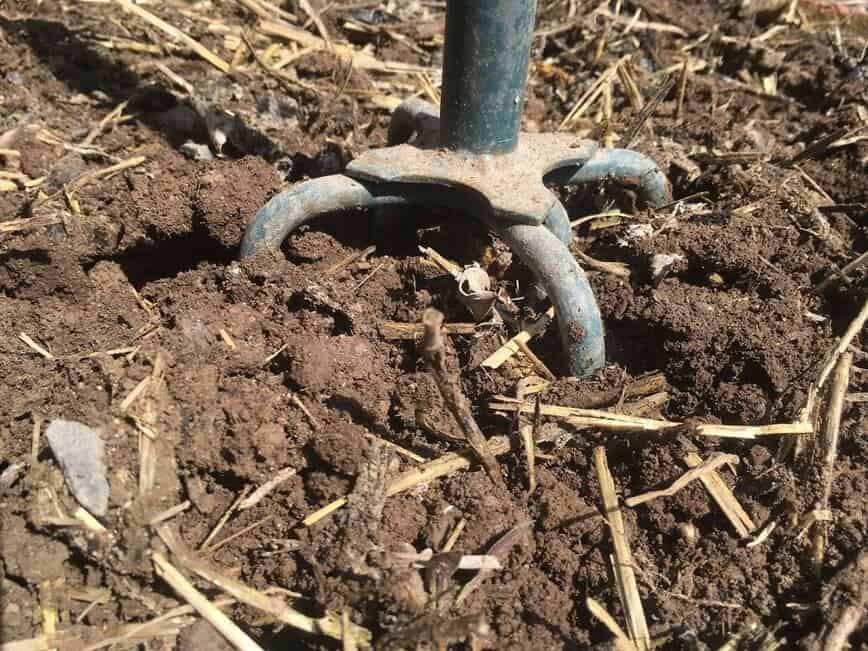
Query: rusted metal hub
{"x":511,"y":184}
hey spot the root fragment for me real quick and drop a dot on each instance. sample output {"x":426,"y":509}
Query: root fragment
{"x":449,"y":386}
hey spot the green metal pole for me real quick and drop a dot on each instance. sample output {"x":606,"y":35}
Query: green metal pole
{"x":485,"y":62}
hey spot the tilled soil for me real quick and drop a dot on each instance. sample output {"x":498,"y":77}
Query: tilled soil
{"x":282,"y":361}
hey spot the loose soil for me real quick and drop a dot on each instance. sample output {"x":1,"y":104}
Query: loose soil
{"x":141,"y":269}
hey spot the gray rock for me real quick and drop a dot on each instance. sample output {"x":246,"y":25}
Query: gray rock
{"x":81,"y":454}
{"x":195,"y":151}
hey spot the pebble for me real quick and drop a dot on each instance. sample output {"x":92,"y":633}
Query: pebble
{"x":196,"y":151}
{"x":81,"y":454}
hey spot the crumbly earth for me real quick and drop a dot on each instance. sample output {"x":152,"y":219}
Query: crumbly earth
{"x":130,"y":284}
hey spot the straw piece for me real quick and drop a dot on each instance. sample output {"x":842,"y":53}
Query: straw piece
{"x":609,"y":421}
{"x":623,"y":566}
{"x":32,"y":344}
{"x":225,"y":518}
{"x":396,"y":330}
{"x":511,"y":347}
{"x":591,"y":95}
{"x":360,"y":60}
{"x":259,"y":494}
{"x":329,"y":625}
{"x":710,"y":464}
{"x":423,"y":473}
{"x":721,"y":493}
{"x":238,"y":638}
{"x":622,"y":642}
{"x":175,"y":33}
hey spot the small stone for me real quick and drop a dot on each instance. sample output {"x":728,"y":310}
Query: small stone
{"x":11,"y":474}
{"x":636,"y":233}
{"x":715,"y":279}
{"x":689,"y":532}
{"x":81,"y":454}
{"x":196,"y":151}
{"x":661,"y":263}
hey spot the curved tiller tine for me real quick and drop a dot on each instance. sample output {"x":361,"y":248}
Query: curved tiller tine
{"x":306,"y":201}
{"x":579,"y":322}
{"x":619,"y":165}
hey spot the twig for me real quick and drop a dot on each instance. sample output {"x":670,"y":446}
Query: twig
{"x":727,"y":502}
{"x":115,"y":115}
{"x":227,"y":339}
{"x":449,"y":385}
{"x":830,"y":360}
{"x":615,"y":268}
{"x":610,"y":421}
{"x":499,"y":550}
{"x":306,"y":7}
{"x":360,"y":60}
{"x":837,"y":393}
{"x":89,"y":522}
{"x":370,"y":275}
{"x":228,"y":539}
{"x":591,"y":95}
{"x":238,"y":638}
{"x":682,"y":88}
{"x":526,"y":432}
{"x":27,"y":223}
{"x":853,"y":265}
{"x":397,"y":448}
{"x":453,"y":537}
{"x":763,"y":535}
{"x":624,"y":575}
{"x":35,"y":436}
{"x":175,"y":78}
{"x":846,"y":625}
{"x":709,"y":465}
{"x":444,"y":263}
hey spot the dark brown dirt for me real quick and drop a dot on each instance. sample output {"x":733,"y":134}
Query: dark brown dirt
{"x":147,"y":263}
